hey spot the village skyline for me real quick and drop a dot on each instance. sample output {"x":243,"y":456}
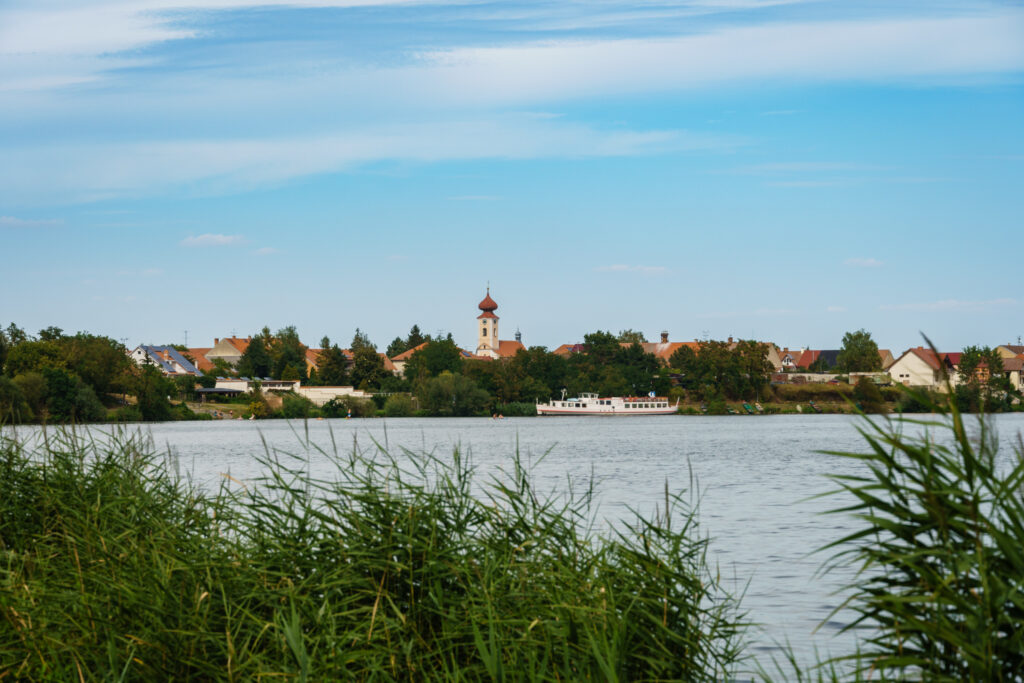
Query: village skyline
{"x":784,"y":170}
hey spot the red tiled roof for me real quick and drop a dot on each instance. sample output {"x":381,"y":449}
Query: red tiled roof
{"x":807,"y":358}
{"x":199,"y":358}
{"x":508,"y":348}
{"x":388,"y":365}
{"x":487,"y":314}
{"x":406,"y":355}
{"x":238,"y":342}
{"x":488,"y":303}
{"x":1013,"y":364}
{"x":568,"y":349}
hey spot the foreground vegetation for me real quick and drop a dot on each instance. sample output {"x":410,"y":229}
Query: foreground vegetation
{"x":112,"y":567}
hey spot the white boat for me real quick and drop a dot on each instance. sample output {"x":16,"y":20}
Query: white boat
{"x":593,"y":404}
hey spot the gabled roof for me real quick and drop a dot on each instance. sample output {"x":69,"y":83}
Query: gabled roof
{"x":166,"y":356}
{"x":568,"y":349}
{"x":406,"y":355}
{"x":239,"y":343}
{"x":1019,"y":350}
{"x":509,"y":348}
{"x":1013,"y":364}
{"x":202,"y":363}
{"x":933,"y":360}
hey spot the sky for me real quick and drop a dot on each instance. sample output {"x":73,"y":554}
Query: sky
{"x":172,"y":171}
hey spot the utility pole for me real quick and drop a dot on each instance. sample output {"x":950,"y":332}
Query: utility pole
{"x":186,"y":339}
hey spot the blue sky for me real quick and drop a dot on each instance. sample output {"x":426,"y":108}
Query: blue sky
{"x":786,"y":170}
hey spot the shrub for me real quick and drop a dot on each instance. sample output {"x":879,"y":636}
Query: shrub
{"x":868,"y":396}
{"x":398,"y":405}
{"x":341,"y":406}
{"x":516,"y":409}
{"x":294,"y":407}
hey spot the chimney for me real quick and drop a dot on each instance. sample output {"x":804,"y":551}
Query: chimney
{"x":664,"y":337}
{"x":249,"y":338}
{"x":216,"y":340}
{"x":730,"y":340}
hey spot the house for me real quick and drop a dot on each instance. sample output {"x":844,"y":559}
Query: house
{"x":199,"y":359}
{"x":921,"y":367}
{"x":887,"y":358}
{"x":229,"y":349}
{"x":788,"y":359}
{"x":829,"y":357}
{"x":566,"y":350}
{"x":170,"y":361}
{"x":1008,"y":351}
{"x":1014,"y":369}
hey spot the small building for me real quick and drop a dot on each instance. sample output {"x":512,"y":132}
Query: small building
{"x":921,"y":367}
{"x":229,"y":349}
{"x":170,"y":361}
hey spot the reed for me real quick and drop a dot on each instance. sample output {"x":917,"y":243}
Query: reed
{"x":398,"y":567}
{"x":940,"y":548}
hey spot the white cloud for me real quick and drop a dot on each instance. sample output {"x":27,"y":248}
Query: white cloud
{"x":882,"y":50}
{"x":623,"y":268}
{"x":84,"y":173}
{"x":474,"y":198}
{"x":13,"y":222}
{"x":211,"y":240}
{"x":952,"y":305}
{"x":266,"y":251}
{"x":835,"y":309}
{"x":863,"y":262}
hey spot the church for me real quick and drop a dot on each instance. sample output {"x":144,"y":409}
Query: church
{"x":488,"y":344}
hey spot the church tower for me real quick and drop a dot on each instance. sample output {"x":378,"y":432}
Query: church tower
{"x":487,"y":328}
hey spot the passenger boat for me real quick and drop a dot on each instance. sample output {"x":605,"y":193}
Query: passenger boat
{"x":593,"y":404}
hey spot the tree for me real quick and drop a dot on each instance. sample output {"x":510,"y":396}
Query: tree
{"x":433,"y":359}
{"x":415,"y":338}
{"x":69,"y":399}
{"x":287,"y":353}
{"x":333,"y":370}
{"x":151,"y":391}
{"x":452,"y":395}
{"x":859,"y":353}
{"x":367,"y":369}
{"x":255,"y":360}
{"x":13,"y":406}
{"x":396,"y":347}
{"x":361,"y":341}
{"x":632,"y":337}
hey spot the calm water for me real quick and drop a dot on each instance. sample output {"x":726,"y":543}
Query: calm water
{"x":755,"y":474}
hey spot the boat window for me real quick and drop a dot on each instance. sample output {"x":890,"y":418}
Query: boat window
{"x":583,"y":406}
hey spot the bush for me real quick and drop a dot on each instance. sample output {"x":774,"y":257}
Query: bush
{"x":126,"y":414}
{"x":939,"y":549}
{"x":868,"y":396}
{"x":341,"y":406}
{"x":812,"y":391}
{"x":112,"y":564}
{"x":295,"y":407}
{"x":517,"y":409}
{"x":398,"y":405}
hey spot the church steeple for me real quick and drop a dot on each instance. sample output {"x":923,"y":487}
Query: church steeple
{"x":487,"y":327}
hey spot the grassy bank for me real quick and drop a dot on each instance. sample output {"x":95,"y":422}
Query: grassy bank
{"x":113,"y":567}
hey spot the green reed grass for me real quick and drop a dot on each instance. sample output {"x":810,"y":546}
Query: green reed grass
{"x":940,"y":549}
{"x":410,"y":567}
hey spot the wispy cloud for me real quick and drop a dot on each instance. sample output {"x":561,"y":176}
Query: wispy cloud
{"x":953,"y":305}
{"x":835,"y":309}
{"x":212,"y":240}
{"x":266,"y":251}
{"x":780,"y":112}
{"x":760,"y":312}
{"x":624,"y":268}
{"x":804,"y":167}
{"x":13,"y":222}
{"x":223,"y":166}
{"x":863,"y":262}
{"x":474,"y":198}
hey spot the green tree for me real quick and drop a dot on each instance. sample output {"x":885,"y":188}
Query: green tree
{"x":396,"y":347}
{"x":33,"y":388}
{"x":13,"y":406}
{"x":452,"y":395}
{"x":868,"y":396}
{"x":333,"y":370}
{"x":415,"y":338}
{"x":69,"y":399}
{"x":256,"y":360}
{"x":287,"y":353}
{"x":151,"y":391}
{"x":367,"y":369}
{"x":632,"y":337}
{"x":438,"y":356}
{"x":859,"y":353}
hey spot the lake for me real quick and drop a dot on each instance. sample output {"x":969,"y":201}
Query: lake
{"x":756,"y":476}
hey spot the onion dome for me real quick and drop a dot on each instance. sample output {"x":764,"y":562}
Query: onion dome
{"x":488,"y":304}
